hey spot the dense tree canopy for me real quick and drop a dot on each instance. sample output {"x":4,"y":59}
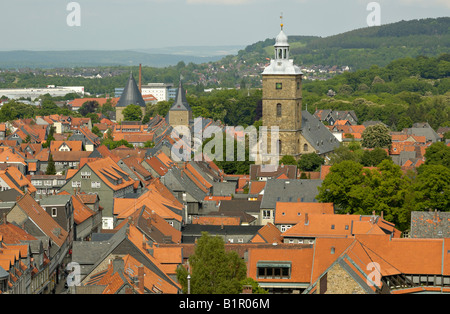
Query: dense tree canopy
{"x":376,"y":136}
{"x":132,"y":113}
{"x":212,"y":269}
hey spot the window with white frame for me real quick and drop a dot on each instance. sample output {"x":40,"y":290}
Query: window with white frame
{"x":54,"y":212}
{"x":85,"y":175}
{"x":76,"y":184}
{"x":95,"y":185}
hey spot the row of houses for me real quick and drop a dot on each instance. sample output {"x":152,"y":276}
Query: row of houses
{"x":121,"y":220}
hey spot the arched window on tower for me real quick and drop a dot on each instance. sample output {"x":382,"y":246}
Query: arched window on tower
{"x":279,"y":146}
{"x":305,"y":148}
{"x":278,"y":110}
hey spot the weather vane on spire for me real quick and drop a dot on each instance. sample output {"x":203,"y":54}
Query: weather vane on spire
{"x":281,"y":19}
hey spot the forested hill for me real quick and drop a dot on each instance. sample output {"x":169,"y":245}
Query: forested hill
{"x":362,"y":48}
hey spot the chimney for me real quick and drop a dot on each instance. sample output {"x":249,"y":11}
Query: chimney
{"x":247,"y":289}
{"x":4,"y":219}
{"x":306,"y":219}
{"x":141,"y":279}
{"x":118,"y":264}
{"x":140,"y":78}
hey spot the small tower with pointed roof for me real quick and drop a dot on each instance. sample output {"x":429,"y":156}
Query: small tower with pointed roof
{"x":130,"y":96}
{"x":180,"y":113}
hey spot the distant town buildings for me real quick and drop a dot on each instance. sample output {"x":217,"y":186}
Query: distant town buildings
{"x":33,"y":93}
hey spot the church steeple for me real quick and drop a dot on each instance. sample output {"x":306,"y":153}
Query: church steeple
{"x":180,"y":113}
{"x":281,"y":44}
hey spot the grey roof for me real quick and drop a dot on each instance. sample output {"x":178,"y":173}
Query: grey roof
{"x":426,"y":131}
{"x":432,"y":224}
{"x":3,"y":273}
{"x":180,"y":103}
{"x":223,"y":188}
{"x":236,"y":205}
{"x":192,"y":231}
{"x":278,"y":190}
{"x":53,"y":200}
{"x":174,"y":180}
{"x":131,"y":94}
{"x":317,"y":134}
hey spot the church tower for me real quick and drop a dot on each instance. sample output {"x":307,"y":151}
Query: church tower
{"x":130,"y":96}
{"x":282,"y":98}
{"x":180,"y":113}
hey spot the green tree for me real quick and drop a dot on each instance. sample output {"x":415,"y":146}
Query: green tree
{"x":338,"y":186}
{"x":432,"y":188}
{"x":212,"y":269}
{"x":438,"y":154}
{"x":372,"y":158}
{"x":88,"y":107}
{"x":288,"y":160}
{"x":310,"y":162}
{"x":376,"y":136}
{"x":356,"y":190}
{"x":343,"y":153}
{"x":132,"y":113}
{"x":51,"y":169}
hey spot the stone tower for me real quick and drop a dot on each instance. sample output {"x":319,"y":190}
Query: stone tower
{"x":180,"y":113}
{"x":130,"y":96}
{"x":282,"y":98}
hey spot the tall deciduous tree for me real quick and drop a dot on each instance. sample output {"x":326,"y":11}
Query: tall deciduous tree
{"x":432,"y":188}
{"x":438,"y":154}
{"x":310,"y":162}
{"x":212,"y":269}
{"x":357,"y":190}
{"x":132,"y":113}
{"x":376,"y":136}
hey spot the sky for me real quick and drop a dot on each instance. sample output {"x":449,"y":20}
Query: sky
{"x":147,"y":24}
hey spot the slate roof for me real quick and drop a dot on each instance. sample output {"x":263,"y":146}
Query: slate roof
{"x":192,"y":231}
{"x":430,"y":224}
{"x":277,"y":190}
{"x":317,"y":134}
{"x":131,"y":94}
{"x":180,"y":103}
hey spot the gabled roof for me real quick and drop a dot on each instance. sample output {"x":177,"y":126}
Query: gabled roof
{"x":131,"y":94}
{"x":330,"y":225}
{"x":110,"y":173}
{"x":156,"y":228}
{"x":289,"y":191}
{"x":159,"y":202}
{"x":12,"y":234}
{"x":78,"y":102}
{"x":180,"y":103}
{"x":16,"y":180}
{"x":114,"y":280}
{"x":42,"y":219}
{"x":268,"y":234}
{"x":73,"y":145}
{"x":290,"y":212}
{"x":317,"y":134}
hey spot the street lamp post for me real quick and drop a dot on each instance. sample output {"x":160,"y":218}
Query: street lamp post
{"x":189,"y":284}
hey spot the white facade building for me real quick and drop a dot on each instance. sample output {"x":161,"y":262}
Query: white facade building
{"x":33,"y":93}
